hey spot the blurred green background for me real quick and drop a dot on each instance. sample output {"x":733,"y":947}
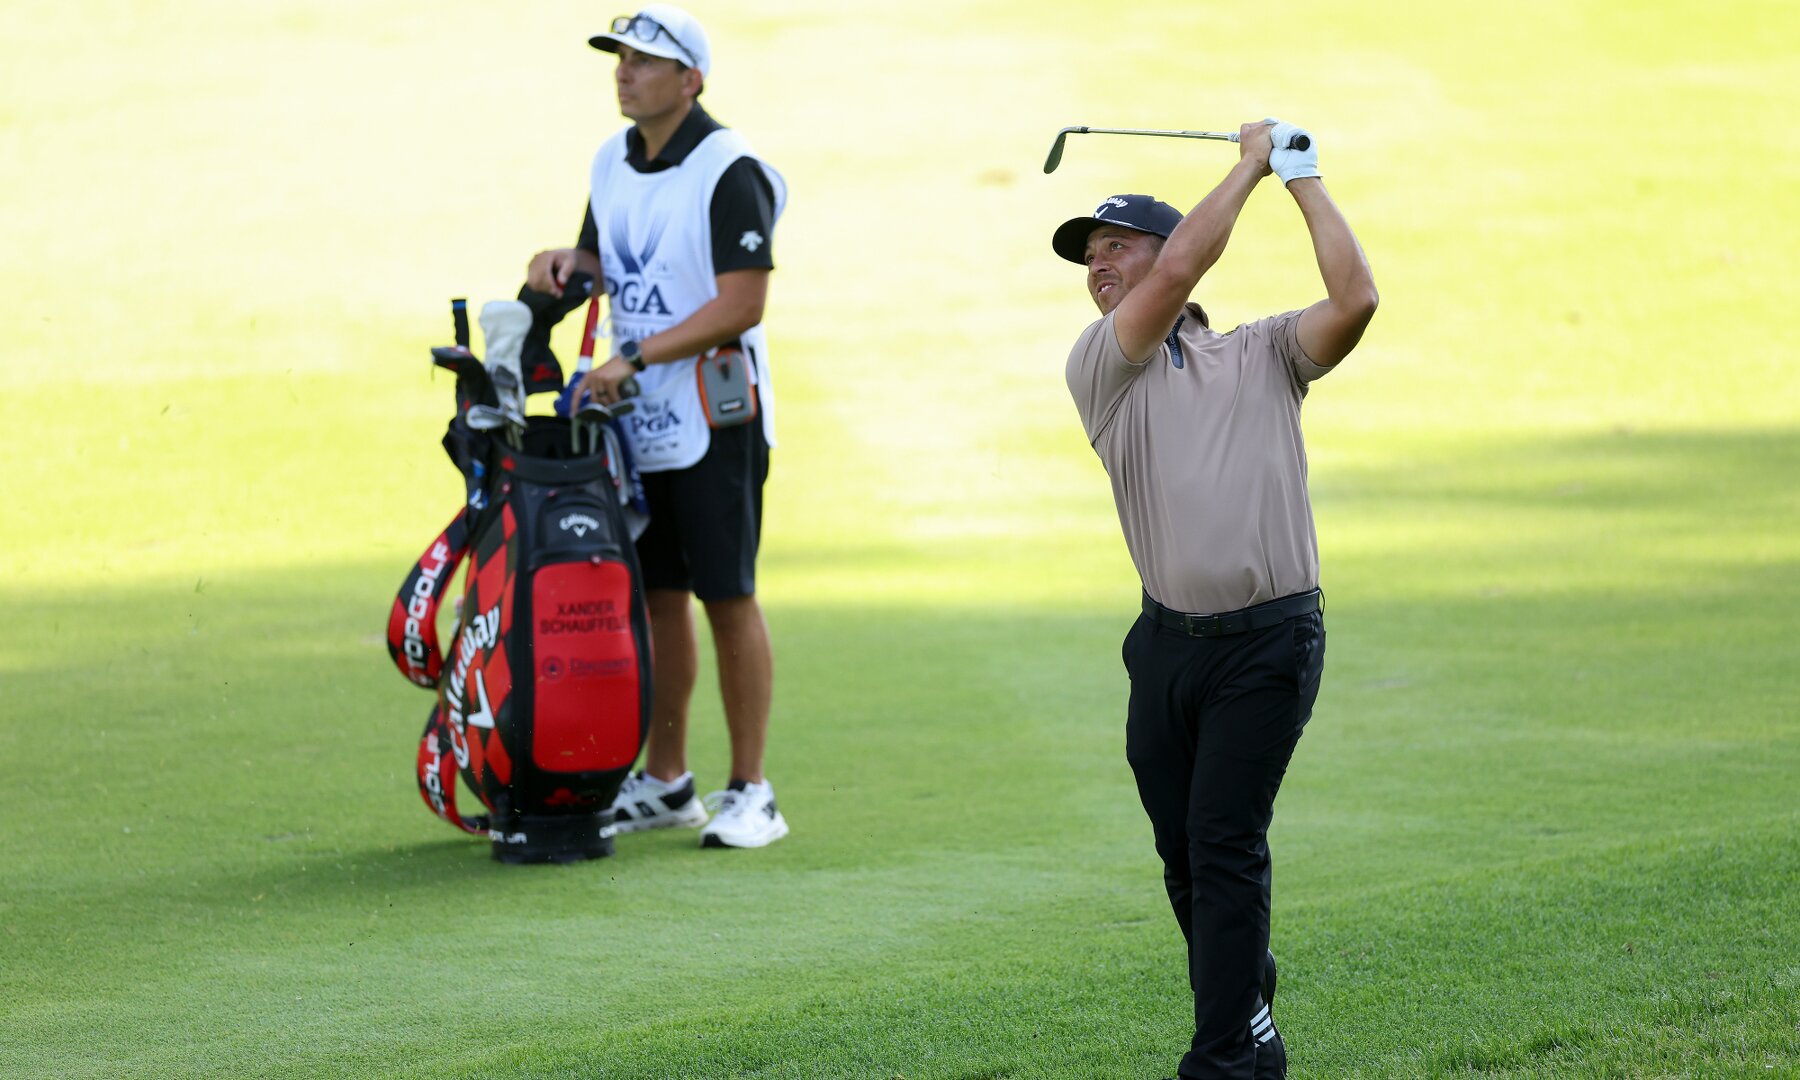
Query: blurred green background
{"x":1543,"y":823}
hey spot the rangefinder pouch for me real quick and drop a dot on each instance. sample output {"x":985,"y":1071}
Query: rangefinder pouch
{"x":727,"y":387}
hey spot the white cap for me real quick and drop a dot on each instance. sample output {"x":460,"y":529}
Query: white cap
{"x":660,"y":30}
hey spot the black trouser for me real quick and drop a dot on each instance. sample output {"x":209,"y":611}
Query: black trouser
{"x":1210,"y":728}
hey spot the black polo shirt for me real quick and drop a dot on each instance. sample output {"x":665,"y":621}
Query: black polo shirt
{"x":743,"y":203}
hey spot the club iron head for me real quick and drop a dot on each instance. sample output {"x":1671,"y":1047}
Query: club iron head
{"x":1056,"y":148}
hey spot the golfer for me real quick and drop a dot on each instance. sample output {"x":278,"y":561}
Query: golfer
{"x":1200,"y":435}
{"x":679,"y":223}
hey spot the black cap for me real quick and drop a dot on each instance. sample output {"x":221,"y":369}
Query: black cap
{"x":1141,"y":212}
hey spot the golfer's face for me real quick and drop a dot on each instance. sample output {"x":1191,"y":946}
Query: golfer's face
{"x":648,"y":86}
{"x":1117,"y":259}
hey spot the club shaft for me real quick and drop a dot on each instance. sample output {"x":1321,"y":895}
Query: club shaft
{"x":1224,"y":136}
{"x":1056,"y":148}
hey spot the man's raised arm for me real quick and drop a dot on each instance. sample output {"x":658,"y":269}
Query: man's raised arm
{"x":1145,"y":315}
{"x":1329,"y":329}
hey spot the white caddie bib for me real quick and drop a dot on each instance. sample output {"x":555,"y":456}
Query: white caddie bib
{"x":656,"y":259}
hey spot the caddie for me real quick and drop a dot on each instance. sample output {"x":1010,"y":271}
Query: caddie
{"x":679,"y":229}
{"x":1200,"y":435}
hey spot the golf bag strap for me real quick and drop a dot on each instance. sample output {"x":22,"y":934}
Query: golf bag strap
{"x":412,"y":625}
{"x":437,"y":775}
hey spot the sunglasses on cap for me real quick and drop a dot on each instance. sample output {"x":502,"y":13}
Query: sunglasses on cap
{"x":644,"y":28}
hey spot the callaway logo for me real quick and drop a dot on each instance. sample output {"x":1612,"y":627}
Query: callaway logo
{"x":482,"y":631}
{"x":484,"y":718}
{"x":579,"y":524}
{"x":751,"y":240}
{"x":1111,"y":201}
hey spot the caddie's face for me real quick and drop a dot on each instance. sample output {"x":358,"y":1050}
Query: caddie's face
{"x":1117,"y":259}
{"x":652,"y":86}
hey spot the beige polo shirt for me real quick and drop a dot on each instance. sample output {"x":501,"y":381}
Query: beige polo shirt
{"x":1208,"y":468}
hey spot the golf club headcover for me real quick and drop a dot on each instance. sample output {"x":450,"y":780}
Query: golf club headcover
{"x":1291,"y":165}
{"x":504,"y":324}
{"x":542,"y":370}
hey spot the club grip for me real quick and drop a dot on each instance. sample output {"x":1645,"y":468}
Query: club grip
{"x":1299,"y":142}
{"x":459,"y":319}
{"x":628,"y":388}
{"x":587,"y":334}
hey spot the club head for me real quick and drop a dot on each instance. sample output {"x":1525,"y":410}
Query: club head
{"x":485,"y":418}
{"x":1056,"y":148}
{"x":593,"y":410}
{"x":473,"y":387}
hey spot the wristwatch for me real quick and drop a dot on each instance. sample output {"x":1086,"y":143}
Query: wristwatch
{"x":632,"y":354}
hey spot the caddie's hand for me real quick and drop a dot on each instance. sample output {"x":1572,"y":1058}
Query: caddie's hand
{"x":549,"y":270}
{"x":1291,"y":165}
{"x":1253,"y":144}
{"x":602,"y":383}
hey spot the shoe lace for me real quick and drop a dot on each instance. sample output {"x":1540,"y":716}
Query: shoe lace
{"x":722,"y":803}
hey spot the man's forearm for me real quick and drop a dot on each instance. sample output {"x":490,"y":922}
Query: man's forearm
{"x":715,"y":322}
{"x":1198,"y":242}
{"x":1145,"y":315}
{"x":1349,"y":283}
{"x":1329,"y":329}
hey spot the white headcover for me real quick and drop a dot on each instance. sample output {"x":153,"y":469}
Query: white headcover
{"x":504,"y":324}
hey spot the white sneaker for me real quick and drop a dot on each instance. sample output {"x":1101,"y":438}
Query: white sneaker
{"x":744,"y":816}
{"x":644,"y":802}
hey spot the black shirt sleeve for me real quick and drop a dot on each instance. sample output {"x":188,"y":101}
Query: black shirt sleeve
{"x":743,"y":219}
{"x":590,"y":232}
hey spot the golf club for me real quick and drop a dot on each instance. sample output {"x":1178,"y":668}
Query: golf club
{"x":472,"y":382}
{"x":592,"y":417}
{"x":486,"y":418}
{"x":459,"y":317}
{"x":512,"y":396}
{"x":585,"y":361}
{"x":504,"y":324}
{"x":1299,"y":142}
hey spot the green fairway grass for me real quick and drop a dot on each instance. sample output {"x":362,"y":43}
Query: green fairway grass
{"x":1545,"y":822}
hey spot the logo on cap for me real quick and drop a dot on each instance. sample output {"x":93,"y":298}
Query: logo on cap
{"x":1110,"y":201}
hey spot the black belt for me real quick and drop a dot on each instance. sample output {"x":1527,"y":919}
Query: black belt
{"x":1240,"y":621}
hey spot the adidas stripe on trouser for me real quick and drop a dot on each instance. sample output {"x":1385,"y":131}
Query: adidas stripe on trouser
{"x":1262,"y":1025}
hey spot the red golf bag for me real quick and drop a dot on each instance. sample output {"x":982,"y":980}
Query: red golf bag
{"x":543,"y":698}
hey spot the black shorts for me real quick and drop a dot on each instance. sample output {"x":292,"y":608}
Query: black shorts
{"x":706,"y":520}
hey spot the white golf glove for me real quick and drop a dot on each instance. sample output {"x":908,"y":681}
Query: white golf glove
{"x":1288,"y":164}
